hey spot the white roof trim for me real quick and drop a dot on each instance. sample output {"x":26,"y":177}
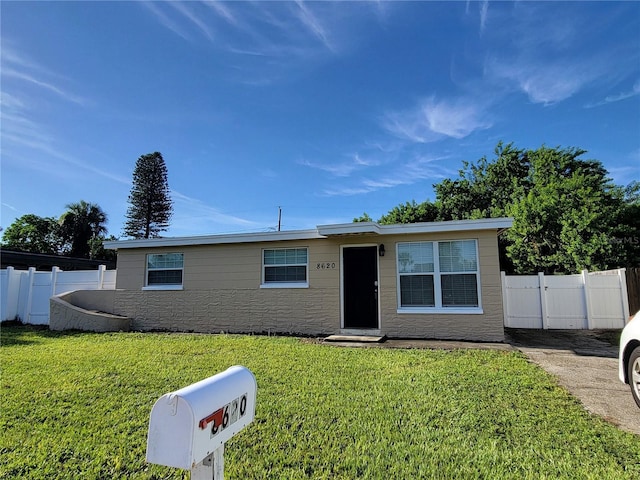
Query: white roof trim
{"x":215,"y":239}
{"x":322,"y":231}
{"x":450,"y":226}
{"x":425,"y":227}
{"x":349,"y":228}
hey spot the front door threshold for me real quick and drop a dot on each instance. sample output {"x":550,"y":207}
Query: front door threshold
{"x":361,"y":331}
{"x":356,"y":338}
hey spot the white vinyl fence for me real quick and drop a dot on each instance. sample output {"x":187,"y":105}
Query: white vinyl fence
{"x":586,"y":301}
{"x":24,"y":294}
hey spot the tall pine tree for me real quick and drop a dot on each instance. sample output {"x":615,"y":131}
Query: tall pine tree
{"x":150,"y":202}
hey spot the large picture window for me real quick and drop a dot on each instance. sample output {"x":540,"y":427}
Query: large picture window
{"x":165,"y":269}
{"x":285,"y":267}
{"x":438,"y":275}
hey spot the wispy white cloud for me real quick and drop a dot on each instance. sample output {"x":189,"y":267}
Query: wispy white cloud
{"x":457,"y":118}
{"x":252,"y":53}
{"x":192,"y":214}
{"x":37,"y":140}
{"x":346,"y":191}
{"x":542,"y":81}
{"x":21,"y":61}
{"x":635,"y":91}
{"x":398,"y":158}
{"x":10,"y":72}
{"x":268,"y":37}
{"x":420,"y":168}
{"x":307,"y":18}
{"x":623,"y":175}
{"x":354,"y":163}
{"x":546,"y":68}
{"x":185,"y":9}
{"x":223,"y":11}
{"x":542,"y":52}
{"x":21,"y":129}
{"x":25,"y":138}
{"x":22,"y":69}
{"x":484,"y":12}
{"x":434,"y":119}
{"x":164,"y":20}
{"x":10,"y":207}
{"x":411,"y":126}
{"x":8,"y":101}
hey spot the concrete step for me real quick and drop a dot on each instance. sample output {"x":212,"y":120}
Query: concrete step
{"x":355,"y":338}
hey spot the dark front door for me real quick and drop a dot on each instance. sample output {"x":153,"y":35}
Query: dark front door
{"x":360,"y":287}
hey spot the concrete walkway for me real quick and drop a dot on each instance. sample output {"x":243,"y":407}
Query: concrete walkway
{"x":585,"y":362}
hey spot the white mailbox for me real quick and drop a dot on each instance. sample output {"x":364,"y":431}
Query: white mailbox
{"x":189,"y":425}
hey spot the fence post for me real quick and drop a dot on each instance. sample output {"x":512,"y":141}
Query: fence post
{"x":7,"y":298}
{"x":54,"y":279}
{"x":505,"y":305}
{"x":101,"y":270}
{"x":622,"y":275}
{"x":587,"y":297}
{"x":26,"y":314}
{"x":543,"y":299}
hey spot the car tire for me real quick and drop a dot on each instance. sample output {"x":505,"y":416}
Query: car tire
{"x":633,"y":374}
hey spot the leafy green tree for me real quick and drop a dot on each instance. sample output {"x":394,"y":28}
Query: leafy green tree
{"x":150,"y":202}
{"x":97,"y":250}
{"x":411,"y":212}
{"x":365,"y":217}
{"x":625,"y":239}
{"x":567,"y":213}
{"x":485,"y":189}
{"x":80,"y":225}
{"x":33,"y":234}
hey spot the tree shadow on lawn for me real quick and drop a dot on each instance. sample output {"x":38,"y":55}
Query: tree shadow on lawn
{"x":14,"y":332}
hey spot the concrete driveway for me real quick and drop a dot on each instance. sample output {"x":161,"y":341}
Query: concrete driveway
{"x":585,"y":362}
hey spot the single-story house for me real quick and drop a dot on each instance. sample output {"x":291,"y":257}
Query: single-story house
{"x":423,"y":280}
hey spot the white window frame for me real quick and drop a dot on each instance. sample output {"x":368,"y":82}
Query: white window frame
{"x":437,"y":282}
{"x":169,"y":286}
{"x":299,"y":284}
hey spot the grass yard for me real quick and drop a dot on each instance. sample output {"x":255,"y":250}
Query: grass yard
{"x":76,"y":405}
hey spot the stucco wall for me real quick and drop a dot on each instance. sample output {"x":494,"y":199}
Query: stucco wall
{"x":101,"y":300}
{"x":221,"y":292}
{"x":310,"y":312}
{"x":66,"y":314}
{"x":483,"y":327}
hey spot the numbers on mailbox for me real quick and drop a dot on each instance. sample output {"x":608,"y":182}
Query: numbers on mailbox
{"x":226,"y":416}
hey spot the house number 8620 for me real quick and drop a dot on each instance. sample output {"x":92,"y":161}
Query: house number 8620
{"x":325,"y":265}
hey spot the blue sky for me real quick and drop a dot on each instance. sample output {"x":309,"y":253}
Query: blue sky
{"x":327,"y":110}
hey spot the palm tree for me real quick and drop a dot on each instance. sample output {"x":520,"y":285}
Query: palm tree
{"x":81,"y":223}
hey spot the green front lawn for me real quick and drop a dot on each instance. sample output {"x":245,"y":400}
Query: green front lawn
{"x":76,"y":405}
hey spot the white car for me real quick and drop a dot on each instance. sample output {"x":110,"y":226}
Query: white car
{"x":629,"y":364}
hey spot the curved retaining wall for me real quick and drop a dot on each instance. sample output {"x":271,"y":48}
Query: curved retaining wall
{"x":86,"y":310}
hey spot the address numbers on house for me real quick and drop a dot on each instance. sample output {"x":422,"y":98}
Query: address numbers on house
{"x":325,"y":265}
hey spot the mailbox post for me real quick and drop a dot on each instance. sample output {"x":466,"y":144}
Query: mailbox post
{"x":189,"y":427}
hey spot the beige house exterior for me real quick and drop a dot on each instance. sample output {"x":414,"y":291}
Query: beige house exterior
{"x":427,"y":280}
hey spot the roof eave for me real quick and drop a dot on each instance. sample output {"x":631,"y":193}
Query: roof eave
{"x":321,"y":231}
{"x":214,"y":239}
{"x":449,"y":226}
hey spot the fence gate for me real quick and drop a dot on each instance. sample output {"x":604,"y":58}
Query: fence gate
{"x":586,"y":301}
